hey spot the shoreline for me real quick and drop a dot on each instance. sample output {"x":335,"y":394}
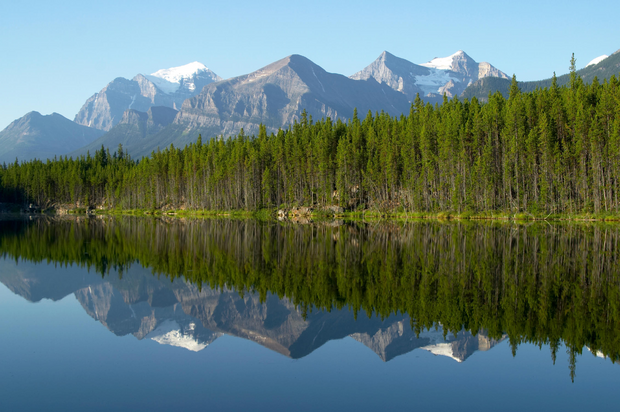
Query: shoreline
{"x":291,"y":215}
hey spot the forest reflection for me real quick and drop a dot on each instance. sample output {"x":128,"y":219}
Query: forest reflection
{"x":547,"y":284}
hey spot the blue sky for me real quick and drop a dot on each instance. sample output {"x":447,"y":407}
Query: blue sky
{"x":54,"y":55}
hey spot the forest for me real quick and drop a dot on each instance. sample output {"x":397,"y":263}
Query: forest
{"x":553,"y":150}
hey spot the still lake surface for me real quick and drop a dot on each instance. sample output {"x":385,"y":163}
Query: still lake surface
{"x":105,"y":313}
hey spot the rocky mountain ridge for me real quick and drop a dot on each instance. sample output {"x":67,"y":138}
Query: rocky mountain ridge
{"x":277,"y":94}
{"x":448,"y":75}
{"x":134,"y":129}
{"x":167,"y":87}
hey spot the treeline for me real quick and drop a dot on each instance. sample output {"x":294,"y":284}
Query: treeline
{"x":541,"y":284}
{"x":554,"y":150}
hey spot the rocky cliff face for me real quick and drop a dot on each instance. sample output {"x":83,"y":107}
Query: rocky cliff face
{"x":443,"y":75}
{"x":168,"y":88}
{"x":133,"y":131}
{"x":276,"y":96}
{"x":105,"y":109}
{"x":395,"y":338}
{"x":397,"y":73}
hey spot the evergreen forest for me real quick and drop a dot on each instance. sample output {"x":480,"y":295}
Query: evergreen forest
{"x":553,"y":150}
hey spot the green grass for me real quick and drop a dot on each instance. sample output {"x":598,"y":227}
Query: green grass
{"x":367,"y":214}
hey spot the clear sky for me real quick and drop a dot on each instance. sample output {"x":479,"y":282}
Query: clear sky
{"x":55,"y":55}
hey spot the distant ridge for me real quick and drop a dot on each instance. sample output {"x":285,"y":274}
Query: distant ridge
{"x":35,"y":136}
{"x":602,"y":70}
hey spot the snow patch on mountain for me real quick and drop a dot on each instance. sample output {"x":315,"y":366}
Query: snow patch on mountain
{"x":169,"y":80}
{"x":170,"y":333}
{"x":433,"y":81}
{"x":597,"y":60}
{"x":442,"y":63}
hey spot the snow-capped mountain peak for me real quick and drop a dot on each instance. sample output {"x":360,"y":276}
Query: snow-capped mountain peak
{"x":443,"y":63}
{"x":175,"y":74}
{"x":597,"y":60}
{"x":170,"y":80}
{"x":443,"y":75}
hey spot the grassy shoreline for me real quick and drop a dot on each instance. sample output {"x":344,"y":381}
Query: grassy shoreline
{"x":372,"y":214}
{"x":271,"y":214}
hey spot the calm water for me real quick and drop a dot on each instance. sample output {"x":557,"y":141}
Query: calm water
{"x":143,"y":314}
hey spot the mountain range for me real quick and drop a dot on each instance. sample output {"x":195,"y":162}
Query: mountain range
{"x":174,"y":106}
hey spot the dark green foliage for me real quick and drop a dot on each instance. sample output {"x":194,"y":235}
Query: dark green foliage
{"x":480,"y":88}
{"x":554,"y":150}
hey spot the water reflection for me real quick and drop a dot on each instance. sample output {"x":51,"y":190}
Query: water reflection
{"x":181,"y":314}
{"x":293,"y":287}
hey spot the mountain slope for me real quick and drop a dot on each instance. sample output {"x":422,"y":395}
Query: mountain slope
{"x":481,"y":88}
{"x":449,"y":75}
{"x":399,"y":74}
{"x":602,"y":70}
{"x":134,"y":131}
{"x":168,"y":87}
{"x":42,"y":137}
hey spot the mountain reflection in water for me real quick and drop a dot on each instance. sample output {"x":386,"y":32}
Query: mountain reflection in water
{"x":180,"y":314}
{"x":394,"y":287}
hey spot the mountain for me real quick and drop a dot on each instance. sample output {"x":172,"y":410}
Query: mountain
{"x":450,"y":75}
{"x":167,"y":87}
{"x":400,"y":74}
{"x":164,"y":322}
{"x":597,"y":60}
{"x":133,"y":131}
{"x":276,"y":95}
{"x":601,"y":68}
{"x":42,"y":137}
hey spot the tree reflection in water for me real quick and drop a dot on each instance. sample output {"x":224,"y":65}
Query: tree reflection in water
{"x":537,"y":283}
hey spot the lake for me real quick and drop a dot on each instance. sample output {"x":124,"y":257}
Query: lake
{"x":132,"y":313}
